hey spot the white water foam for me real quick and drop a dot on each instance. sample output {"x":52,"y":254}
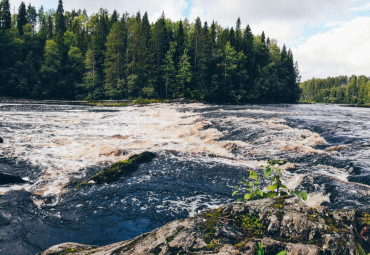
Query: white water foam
{"x":63,"y":143}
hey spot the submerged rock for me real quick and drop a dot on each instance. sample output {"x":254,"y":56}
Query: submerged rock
{"x":10,"y":179}
{"x":120,"y":169}
{"x":282,"y":224}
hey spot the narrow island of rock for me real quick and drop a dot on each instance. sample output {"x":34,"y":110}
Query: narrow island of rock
{"x":119,"y":169}
{"x":283,"y":224}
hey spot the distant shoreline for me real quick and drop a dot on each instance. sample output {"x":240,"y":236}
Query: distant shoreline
{"x":138,"y":101}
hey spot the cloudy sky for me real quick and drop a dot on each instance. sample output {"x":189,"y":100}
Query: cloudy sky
{"x":328,"y":37}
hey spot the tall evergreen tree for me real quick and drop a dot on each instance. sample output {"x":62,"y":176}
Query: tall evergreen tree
{"x":21,"y":18}
{"x":32,"y":16}
{"x":6,"y":17}
{"x":238,"y":35}
{"x":183,"y":76}
{"x":60,"y":25}
{"x":114,"y":65}
{"x":160,"y":46}
{"x":169,"y":70}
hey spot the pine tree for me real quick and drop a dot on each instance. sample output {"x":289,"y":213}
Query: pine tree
{"x":6,"y":17}
{"x":21,"y":18}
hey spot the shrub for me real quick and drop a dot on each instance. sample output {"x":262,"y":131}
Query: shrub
{"x":272,"y":175}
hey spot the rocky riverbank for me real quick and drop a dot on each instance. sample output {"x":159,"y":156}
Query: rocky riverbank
{"x":272,"y":225}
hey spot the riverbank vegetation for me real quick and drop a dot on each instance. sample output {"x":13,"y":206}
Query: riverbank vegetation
{"x":57,"y":54}
{"x":337,"y":90}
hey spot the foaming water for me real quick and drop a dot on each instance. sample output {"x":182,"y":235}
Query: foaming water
{"x":203,"y":151}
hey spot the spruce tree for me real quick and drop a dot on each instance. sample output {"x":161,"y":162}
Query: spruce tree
{"x":180,"y":42}
{"x":6,"y":17}
{"x":60,"y":26}
{"x":238,"y":35}
{"x":21,"y":18}
{"x":160,"y":46}
{"x":183,"y":76}
{"x":114,"y":65}
{"x":169,"y":70}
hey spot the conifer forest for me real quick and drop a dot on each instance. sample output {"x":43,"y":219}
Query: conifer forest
{"x":48,"y":54}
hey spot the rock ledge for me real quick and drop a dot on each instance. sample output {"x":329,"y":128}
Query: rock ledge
{"x":280,"y":224}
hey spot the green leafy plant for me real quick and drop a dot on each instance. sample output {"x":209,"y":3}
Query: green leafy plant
{"x":273,"y":176}
{"x":260,"y":250}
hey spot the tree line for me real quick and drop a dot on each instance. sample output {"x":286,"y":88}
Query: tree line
{"x":70,"y":55}
{"x":338,"y":90}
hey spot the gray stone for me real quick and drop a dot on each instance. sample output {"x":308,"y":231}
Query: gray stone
{"x":280,"y":224}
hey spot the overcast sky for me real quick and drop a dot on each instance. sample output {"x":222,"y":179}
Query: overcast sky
{"x":328,"y":37}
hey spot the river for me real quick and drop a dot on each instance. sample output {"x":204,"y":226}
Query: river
{"x":203,"y":151}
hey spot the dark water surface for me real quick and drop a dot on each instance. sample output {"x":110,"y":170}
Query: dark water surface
{"x":203,"y":151}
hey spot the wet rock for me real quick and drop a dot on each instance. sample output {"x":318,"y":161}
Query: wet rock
{"x":10,"y":179}
{"x":1,"y":140}
{"x":281,"y":224}
{"x":68,"y":248}
{"x":120,"y":169}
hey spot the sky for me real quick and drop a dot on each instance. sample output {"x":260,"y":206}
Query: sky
{"x":327,"y":37}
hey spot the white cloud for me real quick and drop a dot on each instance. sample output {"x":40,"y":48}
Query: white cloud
{"x":172,"y":9}
{"x":340,"y":51}
{"x":283,"y":20}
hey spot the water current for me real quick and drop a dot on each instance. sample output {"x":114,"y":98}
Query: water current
{"x":203,"y":151}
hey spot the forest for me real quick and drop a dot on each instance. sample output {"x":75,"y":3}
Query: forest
{"x":337,"y":90}
{"x":57,"y":54}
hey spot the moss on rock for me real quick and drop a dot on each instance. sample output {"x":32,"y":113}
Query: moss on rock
{"x":119,"y":169}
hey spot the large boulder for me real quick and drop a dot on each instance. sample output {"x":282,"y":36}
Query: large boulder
{"x":119,"y":169}
{"x":10,"y":179}
{"x":276,"y":225}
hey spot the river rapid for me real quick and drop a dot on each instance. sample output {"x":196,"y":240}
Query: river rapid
{"x":203,"y":151}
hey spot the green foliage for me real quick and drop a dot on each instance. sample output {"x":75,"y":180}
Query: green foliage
{"x":338,"y":90}
{"x":21,"y":18}
{"x":260,"y":250}
{"x":105,"y":56}
{"x":184,"y":74}
{"x":273,"y":176}
{"x":169,"y":70}
{"x":5,"y":17}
